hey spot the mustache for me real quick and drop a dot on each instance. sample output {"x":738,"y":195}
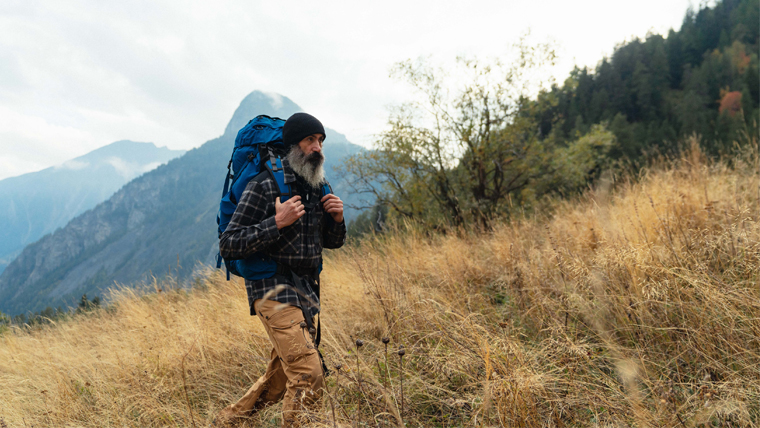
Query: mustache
{"x":315,"y":158}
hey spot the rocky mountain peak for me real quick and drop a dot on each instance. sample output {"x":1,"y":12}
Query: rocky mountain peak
{"x":256,"y":103}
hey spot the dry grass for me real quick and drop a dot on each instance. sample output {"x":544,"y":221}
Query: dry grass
{"x":638,"y":305}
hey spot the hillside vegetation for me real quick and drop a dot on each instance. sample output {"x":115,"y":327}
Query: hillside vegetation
{"x":702,"y":78}
{"x":637,"y":304}
{"x":472,"y":142}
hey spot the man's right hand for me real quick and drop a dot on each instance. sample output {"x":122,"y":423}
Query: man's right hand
{"x":289,"y":212}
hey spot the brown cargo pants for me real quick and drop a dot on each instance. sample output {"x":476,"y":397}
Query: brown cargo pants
{"x":294,"y":370}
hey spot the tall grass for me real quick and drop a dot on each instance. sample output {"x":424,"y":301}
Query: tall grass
{"x":636,"y":305}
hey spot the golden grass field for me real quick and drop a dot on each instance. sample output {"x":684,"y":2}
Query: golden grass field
{"x":636,"y":304}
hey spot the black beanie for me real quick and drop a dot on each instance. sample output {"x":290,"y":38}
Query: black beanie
{"x":300,"y":126}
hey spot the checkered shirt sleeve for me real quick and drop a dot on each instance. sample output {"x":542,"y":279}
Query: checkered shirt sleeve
{"x":252,"y":227}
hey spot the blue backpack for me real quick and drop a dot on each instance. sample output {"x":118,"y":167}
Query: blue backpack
{"x":254,"y":157}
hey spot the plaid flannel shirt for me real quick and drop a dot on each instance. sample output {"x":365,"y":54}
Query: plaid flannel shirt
{"x":253,"y":229}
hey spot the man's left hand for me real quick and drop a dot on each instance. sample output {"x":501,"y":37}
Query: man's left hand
{"x":333,"y":205}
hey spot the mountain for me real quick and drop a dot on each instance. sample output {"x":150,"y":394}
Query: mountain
{"x":35,"y":204}
{"x":159,"y":223}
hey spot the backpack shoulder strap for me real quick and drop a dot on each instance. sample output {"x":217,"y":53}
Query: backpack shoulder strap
{"x":273,"y":167}
{"x":325,"y":189}
{"x":262,"y":176}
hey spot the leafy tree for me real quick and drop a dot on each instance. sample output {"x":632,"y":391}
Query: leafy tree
{"x":449,"y":156}
{"x":465,"y":150}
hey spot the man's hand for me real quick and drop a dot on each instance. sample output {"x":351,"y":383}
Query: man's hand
{"x":333,"y":205}
{"x":289,"y":212}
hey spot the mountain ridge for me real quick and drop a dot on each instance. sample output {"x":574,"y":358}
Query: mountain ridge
{"x":159,"y":223}
{"x":35,"y":204}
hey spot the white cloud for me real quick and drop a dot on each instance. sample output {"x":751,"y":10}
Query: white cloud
{"x":73,"y":165}
{"x":79,"y":74}
{"x":123,"y":168}
{"x":276,"y":99}
{"x":130,"y":170}
{"x":149,"y":167}
{"x":30,"y":143}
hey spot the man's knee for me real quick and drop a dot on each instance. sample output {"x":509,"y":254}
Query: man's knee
{"x":309,"y":376}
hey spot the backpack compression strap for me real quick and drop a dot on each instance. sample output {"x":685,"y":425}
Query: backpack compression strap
{"x":277,"y":171}
{"x":228,"y":177}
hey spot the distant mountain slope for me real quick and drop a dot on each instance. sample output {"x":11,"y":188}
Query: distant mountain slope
{"x":157,"y":222}
{"x":35,"y":204}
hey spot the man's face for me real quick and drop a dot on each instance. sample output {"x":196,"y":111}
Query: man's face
{"x":311,"y":147}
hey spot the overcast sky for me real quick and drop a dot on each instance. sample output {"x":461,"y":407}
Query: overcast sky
{"x":76,"y":75}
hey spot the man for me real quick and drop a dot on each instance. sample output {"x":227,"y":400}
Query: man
{"x":293,"y":234}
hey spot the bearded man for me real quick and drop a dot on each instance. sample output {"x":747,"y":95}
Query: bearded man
{"x":293,"y":234}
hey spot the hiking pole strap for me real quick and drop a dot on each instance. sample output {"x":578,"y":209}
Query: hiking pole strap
{"x":319,"y":320}
{"x":318,"y":338}
{"x":302,"y":287}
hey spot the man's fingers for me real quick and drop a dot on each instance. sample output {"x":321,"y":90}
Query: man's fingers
{"x":277,"y":203}
{"x":294,"y":201}
{"x":329,"y":196}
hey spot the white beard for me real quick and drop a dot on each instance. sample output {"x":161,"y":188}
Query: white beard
{"x":314,"y":174}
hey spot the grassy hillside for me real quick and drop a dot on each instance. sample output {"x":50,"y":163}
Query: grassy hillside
{"x":638,"y":304}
